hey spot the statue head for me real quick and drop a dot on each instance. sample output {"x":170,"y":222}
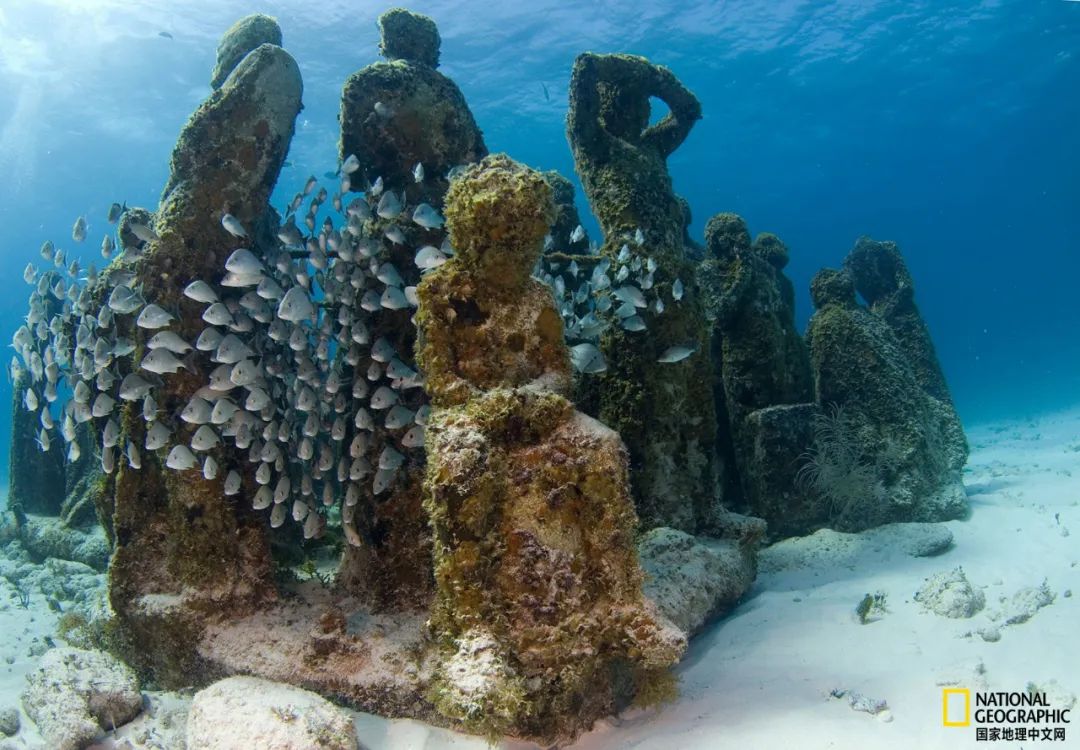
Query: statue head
{"x":409,"y":36}
{"x":498,"y":212}
{"x":772,"y":250}
{"x":726,"y":236}
{"x":832,"y":287}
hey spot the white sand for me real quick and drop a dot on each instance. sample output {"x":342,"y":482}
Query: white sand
{"x":761,"y":678}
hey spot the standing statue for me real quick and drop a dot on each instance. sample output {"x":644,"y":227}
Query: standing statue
{"x":407,"y":125}
{"x":663,"y":411}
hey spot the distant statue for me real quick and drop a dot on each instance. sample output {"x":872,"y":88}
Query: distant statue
{"x":663,"y":412}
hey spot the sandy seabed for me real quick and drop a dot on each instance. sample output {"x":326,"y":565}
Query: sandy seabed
{"x":768,"y":675}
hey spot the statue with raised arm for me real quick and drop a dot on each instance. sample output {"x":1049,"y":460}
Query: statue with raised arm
{"x":663,"y":410}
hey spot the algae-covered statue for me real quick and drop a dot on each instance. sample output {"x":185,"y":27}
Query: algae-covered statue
{"x":759,"y":357}
{"x":538,"y":585}
{"x":663,"y":412}
{"x":885,"y":450}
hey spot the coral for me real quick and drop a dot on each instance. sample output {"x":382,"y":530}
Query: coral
{"x":950,"y":594}
{"x":275,"y":717}
{"x":245,"y":35}
{"x":538,"y":586}
{"x":902,"y":450}
{"x":183,"y":549}
{"x":74,"y":695}
{"x":664,"y":413}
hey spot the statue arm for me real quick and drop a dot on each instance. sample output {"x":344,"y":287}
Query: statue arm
{"x":668,"y":134}
{"x":583,"y":120}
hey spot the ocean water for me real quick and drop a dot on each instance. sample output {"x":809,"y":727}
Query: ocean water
{"x":948,"y":127}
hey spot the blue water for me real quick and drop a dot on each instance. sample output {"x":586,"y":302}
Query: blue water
{"x":948,"y":127}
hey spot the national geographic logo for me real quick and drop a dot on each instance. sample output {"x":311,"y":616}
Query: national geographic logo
{"x":1001,"y":716}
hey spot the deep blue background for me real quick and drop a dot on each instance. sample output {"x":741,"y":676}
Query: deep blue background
{"x":948,"y":127}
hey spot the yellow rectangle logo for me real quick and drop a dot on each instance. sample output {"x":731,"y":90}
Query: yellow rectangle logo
{"x":950,"y":707}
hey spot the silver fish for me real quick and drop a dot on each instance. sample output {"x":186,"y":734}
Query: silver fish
{"x":197,"y":411}
{"x":296,"y":306}
{"x":181,"y":458}
{"x":677,"y":290}
{"x":153,"y":317}
{"x":205,"y":439}
{"x":103,"y":405}
{"x":168,"y":340}
{"x":389,"y":205}
{"x":133,"y":388}
{"x":200,"y":291}
{"x":232,"y":482}
{"x":587,"y":359}
{"x":676,"y":354}
{"x":244,"y":262}
{"x":78,"y":231}
{"x":210,"y":468}
{"x":157,"y":436}
{"x":161,"y":361}
{"x":233,"y":226}
{"x":143,"y":232}
{"x":350,"y":165}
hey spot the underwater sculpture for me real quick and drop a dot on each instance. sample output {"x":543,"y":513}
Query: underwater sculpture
{"x":882,"y":279}
{"x":538,"y":585}
{"x":760,"y":359}
{"x":884,"y":450}
{"x":407,"y":127}
{"x":663,"y":411}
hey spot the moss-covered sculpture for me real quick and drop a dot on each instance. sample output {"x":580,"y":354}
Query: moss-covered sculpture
{"x":395,"y":115}
{"x":185,"y":552}
{"x":759,"y":356}
{"x":885,"y":450}
{"x":538,"y":607}
{"x":882,"y":279}
{"x":242,"y":37}
{"x":663,"y":412}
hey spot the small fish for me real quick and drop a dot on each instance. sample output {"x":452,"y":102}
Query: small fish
{"x":547,"y":97}
{"x":677,"y":290}
{"x":133,"y":456}
{"x":149,"y":408}
{"x":169,"y":340}
{"x":587,"y":359}
{"x":157,"y":437}
{"x":115,"y":211}
{"x":429,"y":257}
{"x":161,"y":361}
{"x":210,"y":468}
{"x":165,"y":35}
{"x":108,"y":460}
{"x":48,"y":251}
{"x":143,"y":232}
{"x":639,"y":237}
{"x":633,"y":323}
{"x":110,"y":434}
{"x":676,"y":354}
{"x":30,"y":400}
{"x":244,"y":262}
{"x":232,"y":482}
{"x":29,"y":273}
{"x":205,"y":439}
{"x":350,"y":165}
{"x":197,"y":411}
{"x":103,"y":405}
{"x":389,"y":206}
{"x":414,"y":438}
{"x":427,"y":217}
{"x":200,"y":291}
{"x":233,"y":226}
{"x":74,"y":452}
{"x":578,"y":234}
{"x":631,"y":295}
{"x":383,"y":110}
{"x":208,"y":340}
{"x":78,"y":231}
{"x":418,"y":172}
{"x":394,"y":234}
{"x":393,"y":299}
{"x":134,"y":388}
{"x":383,"y":398}
{"x":181,"y":458}
{"x":296,"y":306}
{"x":218,"y":315}
{"x":153,"y":317}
